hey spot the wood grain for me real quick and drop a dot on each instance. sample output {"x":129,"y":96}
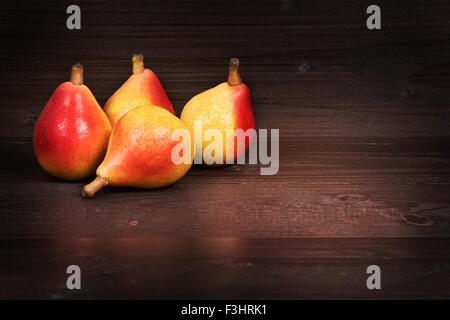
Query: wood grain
{"x":225,"y":268}
{"x":352,"y":187}
{"x":364,"y":119}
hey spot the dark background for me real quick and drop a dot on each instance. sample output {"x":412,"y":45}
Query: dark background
{"x":364,"y":153}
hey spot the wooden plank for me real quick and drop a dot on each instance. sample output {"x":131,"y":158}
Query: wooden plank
{"x":364,"y":160}
{"x":309,"y":75}
{"x":325,"y":187}
{"x":225,"y":268}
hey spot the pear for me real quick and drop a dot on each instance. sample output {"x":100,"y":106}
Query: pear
{"x":71,"y":134}
{"x":226,"y":107}
{"x":140,"y":151}
{"x":141,"y":88}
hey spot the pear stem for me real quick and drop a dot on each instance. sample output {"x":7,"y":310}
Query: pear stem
{"x":233,"y":75}
{"x":138,"y":63}
{"x":90,"y":189}
{"x":76,"y":76}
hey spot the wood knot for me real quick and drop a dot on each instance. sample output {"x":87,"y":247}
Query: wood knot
{"x":307,"y":67}
{"x":133,"y":223}
{"x":417,"y":220}
{"x":352,"y":197}
{"x":30,"y":119}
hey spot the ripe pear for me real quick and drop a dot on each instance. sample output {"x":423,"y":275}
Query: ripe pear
{"x":72,"y":132}
{"x":140,"y":151}
{"x":141,"y":88}
{"x":224,"y":107}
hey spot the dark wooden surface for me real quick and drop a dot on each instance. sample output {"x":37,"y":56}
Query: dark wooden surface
{"x":364,"y":119}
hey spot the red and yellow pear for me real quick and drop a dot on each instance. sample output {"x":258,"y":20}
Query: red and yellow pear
{"x":226,"y":107}
{"x":72,"y":132}
{"x":140,"y":151}
{"x":141,"y":88}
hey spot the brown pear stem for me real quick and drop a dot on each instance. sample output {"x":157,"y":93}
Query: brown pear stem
{"x":138,"y":63}
{"x":76,"y":76}
{"x":233,"y":75}
{"x":90,"y":189}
